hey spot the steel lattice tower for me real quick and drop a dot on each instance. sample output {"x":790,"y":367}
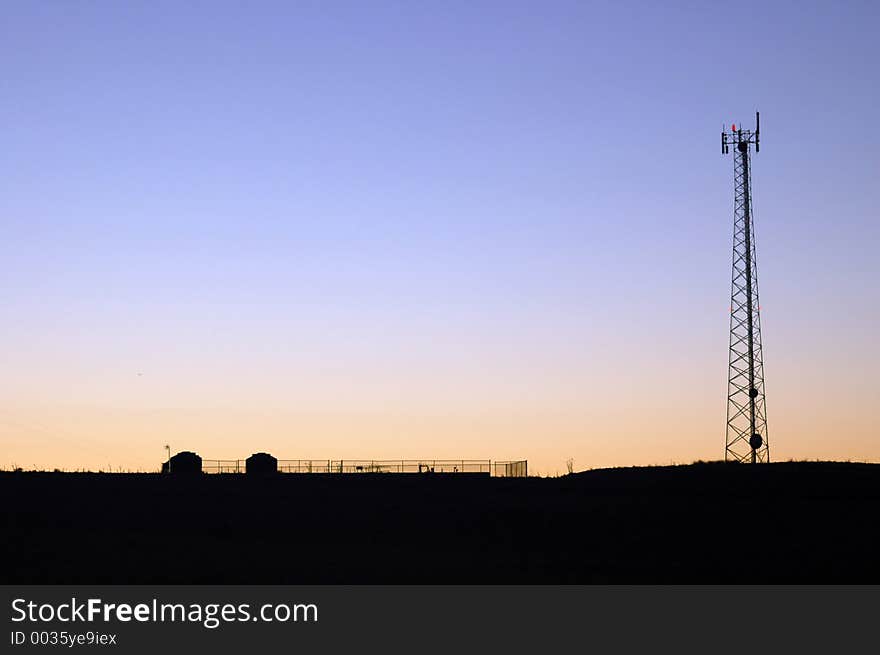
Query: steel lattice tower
{"x":746,"y":436}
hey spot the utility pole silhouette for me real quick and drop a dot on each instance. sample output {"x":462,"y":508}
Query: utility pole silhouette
{"x":746,"y":433}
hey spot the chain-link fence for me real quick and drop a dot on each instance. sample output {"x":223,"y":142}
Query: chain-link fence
{"x":512,"y":469}
{"x":516,"y":469}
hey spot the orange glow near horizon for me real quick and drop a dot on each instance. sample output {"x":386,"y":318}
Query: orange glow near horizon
{"x":590,"y":408}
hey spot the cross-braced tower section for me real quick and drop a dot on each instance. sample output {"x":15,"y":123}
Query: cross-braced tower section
{"x":746,"y":435}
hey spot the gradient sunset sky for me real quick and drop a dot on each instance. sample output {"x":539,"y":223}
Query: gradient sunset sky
{"x":452,"y":229}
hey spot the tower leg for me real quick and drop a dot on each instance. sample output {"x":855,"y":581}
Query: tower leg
{"x":747,"y":213}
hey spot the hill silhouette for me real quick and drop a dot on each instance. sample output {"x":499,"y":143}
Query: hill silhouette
{"x":721,"y":523}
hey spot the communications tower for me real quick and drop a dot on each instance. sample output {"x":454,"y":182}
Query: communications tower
{"x":746,"y":433}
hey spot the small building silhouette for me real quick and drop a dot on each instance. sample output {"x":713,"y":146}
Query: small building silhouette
{"x":184,"y":462}
{"x":261,"y":464}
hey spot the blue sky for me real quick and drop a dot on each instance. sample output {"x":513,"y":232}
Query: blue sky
{"x":437,"y":207}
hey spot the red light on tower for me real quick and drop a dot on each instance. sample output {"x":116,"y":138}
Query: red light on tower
{"x":733,"y":127}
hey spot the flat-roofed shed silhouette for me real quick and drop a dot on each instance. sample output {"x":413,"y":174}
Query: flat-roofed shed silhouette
{"x":261,"y":464}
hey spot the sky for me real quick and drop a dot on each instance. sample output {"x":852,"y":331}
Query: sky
{"x":490,"y":230}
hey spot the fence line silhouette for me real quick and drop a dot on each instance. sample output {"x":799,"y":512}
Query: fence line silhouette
{"x":506,"y":469}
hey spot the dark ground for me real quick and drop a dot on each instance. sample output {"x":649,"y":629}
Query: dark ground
{"x":792,"y":522}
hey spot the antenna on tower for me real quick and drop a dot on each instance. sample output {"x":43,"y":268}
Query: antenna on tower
{"x":757,"y":131}
{"x":746,"y":433}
